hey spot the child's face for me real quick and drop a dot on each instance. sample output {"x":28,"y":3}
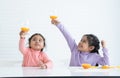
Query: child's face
{"x":37,"y":42}
{"x":84,"y":45}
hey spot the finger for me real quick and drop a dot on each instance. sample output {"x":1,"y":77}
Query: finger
{"x":53,"y":21}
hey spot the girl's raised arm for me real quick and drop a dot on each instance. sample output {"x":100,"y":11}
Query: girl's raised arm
{"x":71,"y":42}
{"x":22,"y":47}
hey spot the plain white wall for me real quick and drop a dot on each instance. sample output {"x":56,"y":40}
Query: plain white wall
{"x":100,"y":17}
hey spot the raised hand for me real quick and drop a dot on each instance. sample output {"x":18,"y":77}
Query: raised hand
{"x":23,"y":34}
{"x":103,"y":43}
{"x":55,"y":22}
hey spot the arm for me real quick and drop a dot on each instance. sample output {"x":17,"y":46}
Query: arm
{"x":105,"y":59}
{"x":22,"y":47}
{"x":46,"y":61}
{"x":71,"y":42}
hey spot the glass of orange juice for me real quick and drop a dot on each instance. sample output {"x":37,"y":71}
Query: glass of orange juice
{"x":53,"y":17}
{"x":25,"y":29}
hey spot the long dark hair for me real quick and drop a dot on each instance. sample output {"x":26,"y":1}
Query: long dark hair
{"x":39,"y":35}
{"x":93,"y":41}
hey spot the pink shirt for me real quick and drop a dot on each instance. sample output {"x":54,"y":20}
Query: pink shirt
{"x":31,"y":57}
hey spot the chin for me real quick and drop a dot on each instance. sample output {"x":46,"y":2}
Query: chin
{"x":37,"y":49}
{"x":79,"y":49}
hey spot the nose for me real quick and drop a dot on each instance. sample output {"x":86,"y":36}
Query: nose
{"x":79,"y":43}
{"x":37,"y":41}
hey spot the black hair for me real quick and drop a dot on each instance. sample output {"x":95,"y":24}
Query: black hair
{"x":93,"y":41}
{"x":39,"y":35}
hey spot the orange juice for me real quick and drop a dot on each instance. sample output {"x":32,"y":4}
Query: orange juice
{"x":86,"y":66}
{"x":53,"y":17}
{"x":105,"y":67}
{"x":25,"y":29}
{"x":118,"y":66}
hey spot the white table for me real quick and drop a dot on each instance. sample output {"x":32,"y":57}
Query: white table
{"x":68,"y":71}
{"x":14,"y":69}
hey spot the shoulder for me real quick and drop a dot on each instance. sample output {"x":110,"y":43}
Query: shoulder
{"x":27,"y":51}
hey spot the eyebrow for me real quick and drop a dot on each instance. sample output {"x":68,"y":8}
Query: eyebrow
{"x":36,"y":38}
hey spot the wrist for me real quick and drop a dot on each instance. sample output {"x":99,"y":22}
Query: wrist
{"x":57,"y":23}
{"x":45,"y":66}
{"x":21,"y":37}
{"x":103,"y":46}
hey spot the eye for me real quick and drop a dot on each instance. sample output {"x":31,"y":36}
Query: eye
{"x":34,"y":39}
{"x":84,"y":41}
{"x":40,"y":40}
{"x":81,"y":40}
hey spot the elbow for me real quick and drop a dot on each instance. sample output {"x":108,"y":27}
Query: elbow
{"x":49,"y":64}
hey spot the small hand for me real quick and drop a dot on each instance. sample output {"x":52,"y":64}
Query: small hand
{"x":42,"y":65}
{"x":103,"y":43}
{"x":22,"y":34}
{"x":55,"y":22}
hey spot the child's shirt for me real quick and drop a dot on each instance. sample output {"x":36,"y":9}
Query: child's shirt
{"x":32,"y":58}
{"x":78,"y":57}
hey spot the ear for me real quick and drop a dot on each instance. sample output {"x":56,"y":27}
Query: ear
{"x":91,"y":48}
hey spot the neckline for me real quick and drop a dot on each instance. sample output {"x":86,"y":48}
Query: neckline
{"x":32,"y":50}
{"x":85,"y":52}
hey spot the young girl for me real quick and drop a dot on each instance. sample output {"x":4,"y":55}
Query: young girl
{"x":87,"y":49}
{"x":33,"y":56}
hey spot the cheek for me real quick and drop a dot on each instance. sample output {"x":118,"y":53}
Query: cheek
{"x":31,"y":44}
{"x":79,"y":45}
{"x":42,"y":44}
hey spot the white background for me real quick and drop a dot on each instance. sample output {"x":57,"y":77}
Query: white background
{"x":100,"y":17}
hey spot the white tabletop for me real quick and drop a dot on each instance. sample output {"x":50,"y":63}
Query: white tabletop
{"x":14,"y":69}
{"x":68,"y":71}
